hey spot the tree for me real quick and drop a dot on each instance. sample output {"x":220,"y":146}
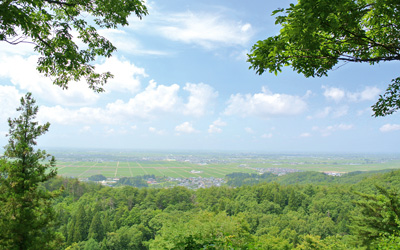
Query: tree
{"x":81,"y":226}
{"x":317,"y":35}
{"x":98,"y":177}
{"x":202,"y":230}
{"x":49,"y":25}
{"x":96,"y":230}
{"x":124,"y":238}
{"x":26,"y":215}
{"x":377,"y":217}
{"x":92,"y":244}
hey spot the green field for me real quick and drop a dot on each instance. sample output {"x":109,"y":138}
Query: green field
{"x":182,"y":169}
{"x":158,"y":168}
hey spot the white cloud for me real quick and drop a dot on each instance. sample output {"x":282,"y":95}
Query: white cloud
{"x":265,"y":104}
{"x":212,"y":129}
{"x":22,"y":73}
{"x":389,"y":127}
{"x":154,"y":99}
{"x":126,"y":75}
{"x":9,"y":102}
{"x":363,"y":111}
{"x":332,"y":93}
{"x":201,"y":97}
{"x":85,"y":129}
{"x":368,"y":94}
{"x":337,"y":94}
{"x":308,"y":94}
{"x":208,"y":30}
{"x":326,"y":131}
{"x":334,"y":112}
{"x":127,"y":43}
{"x":20,"y":49}
{"x":160,"y":99}
{"x":267,"y":136}
{"x":340,"y":111}
{"x":215,"y":127}
{"x":249,"y":130}
{"x":246,"y":27}
{"x":61,"y":115}
{"x":156,"y":131}
{"x":240,"y":55}
{"x":110,"y":131}
{"x":322,"y":113}
{"x":305,"y":135}
{"x":186,"y":127}
{"x":344,"y":127}
{"x":219,"y":123}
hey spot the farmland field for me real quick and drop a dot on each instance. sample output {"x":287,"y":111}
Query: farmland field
{"x":161,"y":168}
{"x":181,"y":165}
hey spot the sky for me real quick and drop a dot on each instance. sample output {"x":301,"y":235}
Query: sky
{"x":182,"y":83}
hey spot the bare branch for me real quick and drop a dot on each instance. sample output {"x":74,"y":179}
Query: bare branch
{"x":20,"y":39}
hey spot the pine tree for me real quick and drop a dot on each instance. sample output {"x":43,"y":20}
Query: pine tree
{"x":26,"y":214}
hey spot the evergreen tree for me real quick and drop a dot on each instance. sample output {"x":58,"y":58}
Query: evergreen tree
{"x":106,"y":223}
{"x":91,"y":244}
{"x":81,"y":225}
{"x":378,"y":216}
{"x":70,"y":231}
{"x":96,"y":230}
{"x":26,"y":215}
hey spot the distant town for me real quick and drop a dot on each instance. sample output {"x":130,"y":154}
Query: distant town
{"x":205,"y":169}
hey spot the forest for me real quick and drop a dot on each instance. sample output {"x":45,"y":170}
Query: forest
{"x":355,"y":211}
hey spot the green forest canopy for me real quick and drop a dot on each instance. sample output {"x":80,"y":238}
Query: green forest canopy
{"x":261,"y":216}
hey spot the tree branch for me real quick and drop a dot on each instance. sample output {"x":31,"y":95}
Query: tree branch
{"x":371,"y":41}
{"x":60,"y":3}
{"x":43,"y":41}
{"x":20,"y":39}
{"x":350,"y":58}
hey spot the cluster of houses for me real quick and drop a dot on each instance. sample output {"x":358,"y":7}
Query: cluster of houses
{"x":277,"y":171}
{"x":199,"y":182}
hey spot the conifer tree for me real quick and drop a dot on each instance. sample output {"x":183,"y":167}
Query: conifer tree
{"x":378,"y":216}
{"x":96,"y":230}
{"x":106,"y":223}
{"x":70,"y":231}
{"x":26,"y":215}
{"x":81,"y":225}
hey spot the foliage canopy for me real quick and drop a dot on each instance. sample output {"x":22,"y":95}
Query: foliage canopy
{"x":360,"y":215}
{"x":317,"y":35}
{"x":51,"y":27}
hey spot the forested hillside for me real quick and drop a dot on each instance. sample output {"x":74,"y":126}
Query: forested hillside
{"x":361,"y":215}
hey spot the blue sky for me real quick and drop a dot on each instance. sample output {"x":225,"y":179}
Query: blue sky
{"x":182,"y":83}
